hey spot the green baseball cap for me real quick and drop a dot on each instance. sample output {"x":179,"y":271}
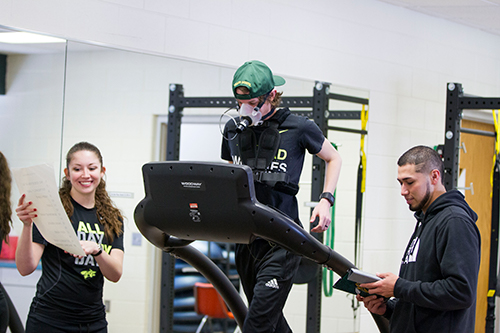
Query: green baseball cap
{"x":257,"y":78}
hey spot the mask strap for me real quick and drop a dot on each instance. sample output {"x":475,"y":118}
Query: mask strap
{"x":262,"y":103}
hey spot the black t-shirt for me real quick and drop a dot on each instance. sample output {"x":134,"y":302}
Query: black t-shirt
{"x":297,"y":134}
{"x":70,"y":289}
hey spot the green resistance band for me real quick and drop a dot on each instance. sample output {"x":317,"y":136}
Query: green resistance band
{"x":327,"y":273}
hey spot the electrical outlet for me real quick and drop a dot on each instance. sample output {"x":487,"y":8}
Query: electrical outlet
{"x":136,"y":239}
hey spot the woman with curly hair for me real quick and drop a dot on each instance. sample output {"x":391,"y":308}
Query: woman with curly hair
{"x":5,"y":224}
{"x":69,"y":292}
{"x":5,"y":208}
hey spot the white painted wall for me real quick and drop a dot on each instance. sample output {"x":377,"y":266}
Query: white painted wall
{"x":403,"y":59}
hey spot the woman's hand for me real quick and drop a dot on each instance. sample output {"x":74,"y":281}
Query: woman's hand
{"x":25,"y":212}
{"x":88,"y":247}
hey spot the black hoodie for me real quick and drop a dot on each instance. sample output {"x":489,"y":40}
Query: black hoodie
{"x":436,"y":289}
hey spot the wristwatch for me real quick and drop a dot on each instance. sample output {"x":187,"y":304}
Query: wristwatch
{"x":98,"y":253}
{"x":328,"y":196}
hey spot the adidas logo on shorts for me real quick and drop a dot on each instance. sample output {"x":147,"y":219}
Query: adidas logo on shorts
{"x":272,"y":284}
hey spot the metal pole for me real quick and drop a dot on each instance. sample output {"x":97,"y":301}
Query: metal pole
{"x":167,"y":290}
{"x":320,"y":117}
{"x":452,"y":135}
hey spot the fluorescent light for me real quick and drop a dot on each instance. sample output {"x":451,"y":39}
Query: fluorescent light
{"x":27,"y":38}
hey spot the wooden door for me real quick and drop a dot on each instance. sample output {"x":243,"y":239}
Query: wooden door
{"x":478,"y":162}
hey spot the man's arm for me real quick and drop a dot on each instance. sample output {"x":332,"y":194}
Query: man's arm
{"x":333,"y":163}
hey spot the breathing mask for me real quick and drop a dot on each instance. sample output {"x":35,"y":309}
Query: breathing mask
{"x":249,"y":116}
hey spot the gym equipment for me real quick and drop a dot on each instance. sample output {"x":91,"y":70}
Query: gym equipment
{"x":456,"y":102}
{"x":360,"y":187}
{"x":187,"y":201}
{"x":328,"y":280}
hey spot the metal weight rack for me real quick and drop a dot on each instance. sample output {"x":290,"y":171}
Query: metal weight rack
{"x":456,"y":102}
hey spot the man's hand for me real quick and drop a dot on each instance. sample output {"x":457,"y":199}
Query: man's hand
{"x":384,"y":287}
{"x":322,"y":212}
{"x":374,"y":304}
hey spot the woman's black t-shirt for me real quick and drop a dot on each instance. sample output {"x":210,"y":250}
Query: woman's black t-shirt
{"x":70,"y":289}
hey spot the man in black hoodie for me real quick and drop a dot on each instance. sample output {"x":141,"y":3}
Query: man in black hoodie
{"x":436,"y":287}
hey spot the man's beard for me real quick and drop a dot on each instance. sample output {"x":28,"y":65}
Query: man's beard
{"x":423,"y":202}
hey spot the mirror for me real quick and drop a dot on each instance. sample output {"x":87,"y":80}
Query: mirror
{"x":31,"y":111}
{"x":31,"y":117}
{"x":60,"y":94}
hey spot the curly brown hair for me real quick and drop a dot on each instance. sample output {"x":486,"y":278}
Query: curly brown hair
{"x":110,"y":216}
{"x":5,"y":207}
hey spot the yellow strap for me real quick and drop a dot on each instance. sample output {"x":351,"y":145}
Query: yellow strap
{"x":497,"y":147}
{"x":496,"y":121}
{"x":364,"y":121}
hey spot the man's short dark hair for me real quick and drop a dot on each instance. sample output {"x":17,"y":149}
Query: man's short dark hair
{"x":424,"y":158}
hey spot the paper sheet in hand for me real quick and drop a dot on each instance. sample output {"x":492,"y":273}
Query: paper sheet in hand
{"x":38,"y":183}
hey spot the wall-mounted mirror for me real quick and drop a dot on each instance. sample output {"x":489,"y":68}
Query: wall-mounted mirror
{"x":31,"y":117}
{"x":31,"y":110}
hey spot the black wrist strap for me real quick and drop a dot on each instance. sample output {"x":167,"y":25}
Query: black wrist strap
{"x":98,"y":253}
{"x":328,"y":196}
